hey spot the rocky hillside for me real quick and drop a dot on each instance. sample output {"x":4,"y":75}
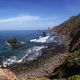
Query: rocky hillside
{"x":70,"y":31}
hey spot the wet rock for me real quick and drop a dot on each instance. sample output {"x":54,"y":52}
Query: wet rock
{"x":14,"y":43}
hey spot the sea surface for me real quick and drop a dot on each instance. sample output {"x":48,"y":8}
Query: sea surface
{"x":7,"y":53}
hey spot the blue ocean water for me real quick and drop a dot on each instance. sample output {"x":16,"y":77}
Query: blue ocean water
{"x":25,"y":36}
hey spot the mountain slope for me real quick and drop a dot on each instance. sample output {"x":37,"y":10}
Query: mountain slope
{"x":70,"y":30}
{"x":66,"y":27}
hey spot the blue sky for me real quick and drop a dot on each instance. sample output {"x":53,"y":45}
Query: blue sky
{"x":35,"y":14}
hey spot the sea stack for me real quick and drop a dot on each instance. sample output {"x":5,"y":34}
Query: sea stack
{"x":13,"y":43}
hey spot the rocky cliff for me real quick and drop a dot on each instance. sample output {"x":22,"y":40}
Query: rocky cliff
{"x":70,"y":31}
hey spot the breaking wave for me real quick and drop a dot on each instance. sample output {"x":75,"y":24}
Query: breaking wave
{"x":31,"y":54}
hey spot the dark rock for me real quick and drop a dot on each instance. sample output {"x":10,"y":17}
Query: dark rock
{"x":14,"y":43}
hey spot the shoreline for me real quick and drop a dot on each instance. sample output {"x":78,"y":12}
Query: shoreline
{"x":38,"y":65}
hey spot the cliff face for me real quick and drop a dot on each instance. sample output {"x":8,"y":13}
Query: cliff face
{"x":70,"y":30}
{"x":75,"y":40}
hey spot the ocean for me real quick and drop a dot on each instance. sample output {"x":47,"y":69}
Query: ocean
{"x":8,"y":54}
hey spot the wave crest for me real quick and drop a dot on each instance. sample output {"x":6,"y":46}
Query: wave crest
{"x":31,"y":54}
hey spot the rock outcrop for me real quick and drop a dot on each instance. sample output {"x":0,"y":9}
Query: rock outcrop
{"x":6,"y":74}
{"x":14,"y":43}
{"x":75,"y":40}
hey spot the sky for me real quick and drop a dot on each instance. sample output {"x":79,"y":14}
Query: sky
{"x":36,"y":14}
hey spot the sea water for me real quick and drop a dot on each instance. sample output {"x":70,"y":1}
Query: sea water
{"x":30,"y":50}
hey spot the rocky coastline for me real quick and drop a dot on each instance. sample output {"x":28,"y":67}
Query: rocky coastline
{"x":60,"y":62}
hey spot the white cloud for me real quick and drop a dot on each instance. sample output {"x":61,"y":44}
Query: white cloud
{"x":20,"y":19}
{"x":26,"y":22}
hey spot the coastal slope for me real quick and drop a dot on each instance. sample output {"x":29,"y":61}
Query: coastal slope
{"x":70,"y":31}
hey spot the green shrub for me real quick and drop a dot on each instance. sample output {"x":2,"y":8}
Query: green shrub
{"x":76,"y":77}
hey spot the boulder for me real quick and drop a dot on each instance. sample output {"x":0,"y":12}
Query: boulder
{"x":6,"y":74}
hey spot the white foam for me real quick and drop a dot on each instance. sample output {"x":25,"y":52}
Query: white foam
{"x":31,"y":54}
{"x":22,"y":42}
{"x":10,"y":61}
{"x":48,"y":39}
{"x":40,"y":40}
{"x":7,"y":43}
